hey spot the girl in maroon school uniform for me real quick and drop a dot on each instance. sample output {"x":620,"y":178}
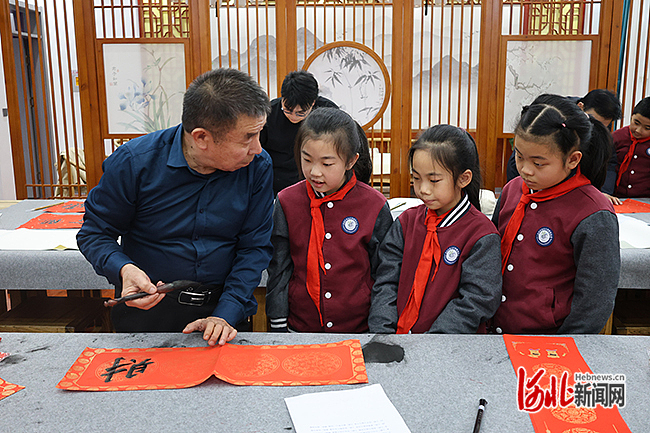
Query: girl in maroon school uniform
{"x":439,"y":265}
{"x":326,"y":231}
{"x":633,"y":153}
{"x":560,"y":249}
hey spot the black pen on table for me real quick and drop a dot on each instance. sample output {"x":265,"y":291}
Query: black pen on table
{"x":479,"y":415}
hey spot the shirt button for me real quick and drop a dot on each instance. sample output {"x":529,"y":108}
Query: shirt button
{"x":330,"y":324}
{"x":533,"y":205}
{"x":330,"y":204}
{"x":196,"y":238}
{"x":499,"y":330}
{"x":636,"y":156}
{"x":503,"y":298}
{"x":328,"y":295}
{"x":629,"y":186}
{"x":510,"y":267}
{"x":198,"y":264}
{"x":631,"y":171}
{"x":328,"y":235}
{"x":200,"y":210}
{"x":328,"y":266}
{"x":520,"y":237}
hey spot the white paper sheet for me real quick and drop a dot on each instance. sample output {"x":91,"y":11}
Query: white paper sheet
{"x":633,"y":233}
{"x":398,"y":205}
{"x":359,"y":410}
{"x":38,"y":239}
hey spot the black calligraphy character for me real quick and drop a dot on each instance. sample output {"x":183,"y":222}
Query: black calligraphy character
{"x":114,"y":369}
{"x":140,"y":367}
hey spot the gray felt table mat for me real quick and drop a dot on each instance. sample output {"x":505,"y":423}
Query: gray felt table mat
{"x":435,"y":388}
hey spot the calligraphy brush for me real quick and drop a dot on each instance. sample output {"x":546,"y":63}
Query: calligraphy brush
{"x":165,"y":288}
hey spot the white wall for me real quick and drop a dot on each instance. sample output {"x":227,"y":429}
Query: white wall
{"x":7,"y":185}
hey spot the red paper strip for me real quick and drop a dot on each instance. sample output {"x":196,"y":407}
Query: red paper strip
{"x":67,"y":207}
{"x":50,"y":221}
{"x":180,"y":367}
{"x":3,"y":355}
{"x":7,"y":388}
{"x":557,"y":355}
{"x":632,"y":206}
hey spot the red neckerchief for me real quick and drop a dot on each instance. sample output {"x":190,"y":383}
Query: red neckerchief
{"x":430,"y":256}
{"x":628,"y":157}
{"x":526,"y":197}
{"x":316,"y":236}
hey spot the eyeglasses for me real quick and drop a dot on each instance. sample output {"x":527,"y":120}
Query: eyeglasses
{"x":299,"y":114}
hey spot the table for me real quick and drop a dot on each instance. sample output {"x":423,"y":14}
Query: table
{"x":635,"y":273}
{"x":22,"y":270}
{"x":68,"y":269}
{"x":44,"y":269}
{"x":435,"y":388}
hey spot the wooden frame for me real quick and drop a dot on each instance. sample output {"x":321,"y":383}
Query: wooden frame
{"x":102,"y":79}
{"x":376,"y":58}
{"x":486,"y":125}
{"x":6,"y":37}
{"x":593,"y":67}
{"x":402,"y":102}
{"x":490,"y":138}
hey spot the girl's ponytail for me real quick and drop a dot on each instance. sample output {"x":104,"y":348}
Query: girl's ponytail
{"x":596,"y":153}
{"x":363,"y":166}
{"x":473,"y":190}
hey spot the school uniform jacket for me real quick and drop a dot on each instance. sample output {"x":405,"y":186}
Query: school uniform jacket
{"x":466,"y":290}
{"x":635,"y":182}
{"x":354,"y":227}
{"x":562,"y":273}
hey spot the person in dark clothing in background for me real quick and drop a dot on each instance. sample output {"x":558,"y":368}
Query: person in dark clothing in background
{"x":299,"y":97}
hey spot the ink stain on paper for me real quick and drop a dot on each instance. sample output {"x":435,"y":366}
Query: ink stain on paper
{"x":382,"y":353}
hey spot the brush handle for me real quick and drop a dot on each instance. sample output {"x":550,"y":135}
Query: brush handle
{"x":165,"y":288}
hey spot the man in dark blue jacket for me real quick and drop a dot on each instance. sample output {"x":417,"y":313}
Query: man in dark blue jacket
{"x":192,"y":202}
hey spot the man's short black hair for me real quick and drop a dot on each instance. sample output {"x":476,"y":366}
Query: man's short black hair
{"x":603,"y":102}
{"x":299,"y":89}
{"x":216,"y":99}
{"x":643,"y":107}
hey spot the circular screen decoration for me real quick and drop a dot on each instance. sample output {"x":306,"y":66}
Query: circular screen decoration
{"x":354,"y":77}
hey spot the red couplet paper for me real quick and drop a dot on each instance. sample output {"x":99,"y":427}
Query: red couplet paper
{"x":632,"y":206}
{"x":6,"y":388}
{"x":67,"y":207}
{"x":51,"y":221}
{"x":183,"y":367}
{"x":557,"y":356}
